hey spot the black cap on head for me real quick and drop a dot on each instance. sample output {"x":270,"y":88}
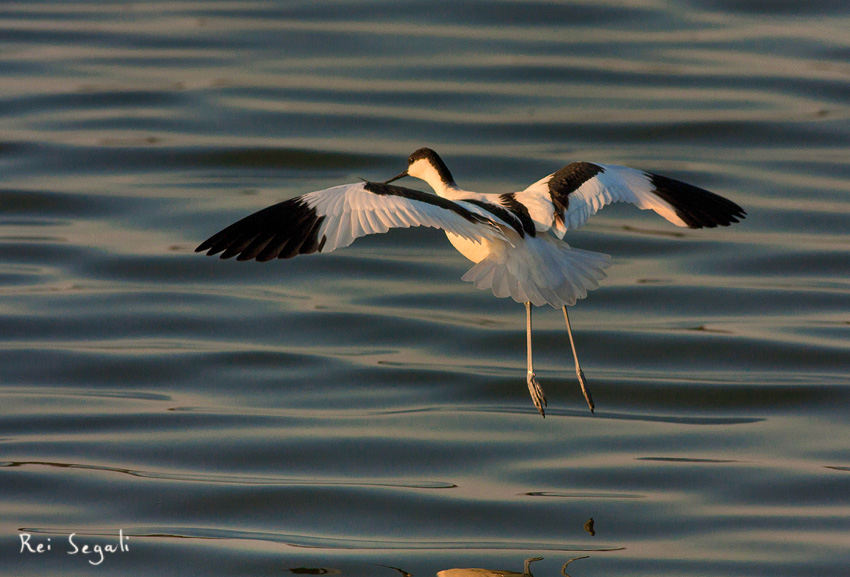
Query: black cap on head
{"x":435,"y":160}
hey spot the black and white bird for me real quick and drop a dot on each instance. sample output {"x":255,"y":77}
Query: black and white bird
{"x":514,"y":239}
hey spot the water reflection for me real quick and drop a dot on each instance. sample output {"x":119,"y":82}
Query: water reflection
{"x":401,"y":571}
{"x":294,"y":420}
{"x":526,"y":570}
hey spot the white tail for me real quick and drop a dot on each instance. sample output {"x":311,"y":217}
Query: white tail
{"x":543,"y":270}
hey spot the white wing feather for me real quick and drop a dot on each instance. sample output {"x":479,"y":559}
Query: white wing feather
{"x":325,"y":220}
{"x":612,"y":184}
{"x":351,"y":211}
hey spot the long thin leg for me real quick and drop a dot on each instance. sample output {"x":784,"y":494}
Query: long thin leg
{"x":582,"y":381}
{"x":533,"y":386}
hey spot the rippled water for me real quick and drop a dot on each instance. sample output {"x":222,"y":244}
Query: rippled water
{"x":365,"y":412}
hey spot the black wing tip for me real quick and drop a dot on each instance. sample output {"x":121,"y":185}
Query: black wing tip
{"x":697,"y":207}
{"x":727,"y":220}
{"x":283,"y":230}
{"x":210,"y":250}
{"x":208,"y":247}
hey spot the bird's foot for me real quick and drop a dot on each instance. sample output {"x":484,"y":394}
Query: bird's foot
{"x":585,"y":389}
{"x":537,"y":395}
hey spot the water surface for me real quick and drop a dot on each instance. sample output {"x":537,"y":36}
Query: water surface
{"x":365,"y":412}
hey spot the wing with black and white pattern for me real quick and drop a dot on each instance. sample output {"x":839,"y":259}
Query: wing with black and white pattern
{"x":329,"y":219}
{"x":567,"y":198}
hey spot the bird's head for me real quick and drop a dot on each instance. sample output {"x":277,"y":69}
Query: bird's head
{"x":427,"y":165}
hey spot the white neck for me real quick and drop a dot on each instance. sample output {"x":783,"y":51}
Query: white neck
{"x":424,"y":170}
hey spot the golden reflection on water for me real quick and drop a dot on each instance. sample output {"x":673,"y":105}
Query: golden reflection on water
{"x":526,"y":571}
{"x":362,"y":412}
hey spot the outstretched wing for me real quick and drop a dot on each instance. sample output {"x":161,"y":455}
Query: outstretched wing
{"x":567,"y":198}
{"x":325,"y":220}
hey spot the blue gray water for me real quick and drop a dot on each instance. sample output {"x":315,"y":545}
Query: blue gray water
{"x":365,"y":412}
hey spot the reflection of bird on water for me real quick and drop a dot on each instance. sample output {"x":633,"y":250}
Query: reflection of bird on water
{"x":526,"y":570}
{"x":505,"y":235}
{"x":314,"y":571}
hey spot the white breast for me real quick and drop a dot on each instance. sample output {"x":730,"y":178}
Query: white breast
{"x":474,"y":251}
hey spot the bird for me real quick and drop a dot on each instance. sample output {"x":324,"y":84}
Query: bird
{"x":515,"y":239}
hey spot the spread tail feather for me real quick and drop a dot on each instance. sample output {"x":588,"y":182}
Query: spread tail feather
{"x":544,"y":270}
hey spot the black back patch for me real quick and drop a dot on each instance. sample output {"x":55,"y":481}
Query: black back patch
{"x":520,"y":211}
{"x":568,"y":180}
{"x":501,"y":213}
